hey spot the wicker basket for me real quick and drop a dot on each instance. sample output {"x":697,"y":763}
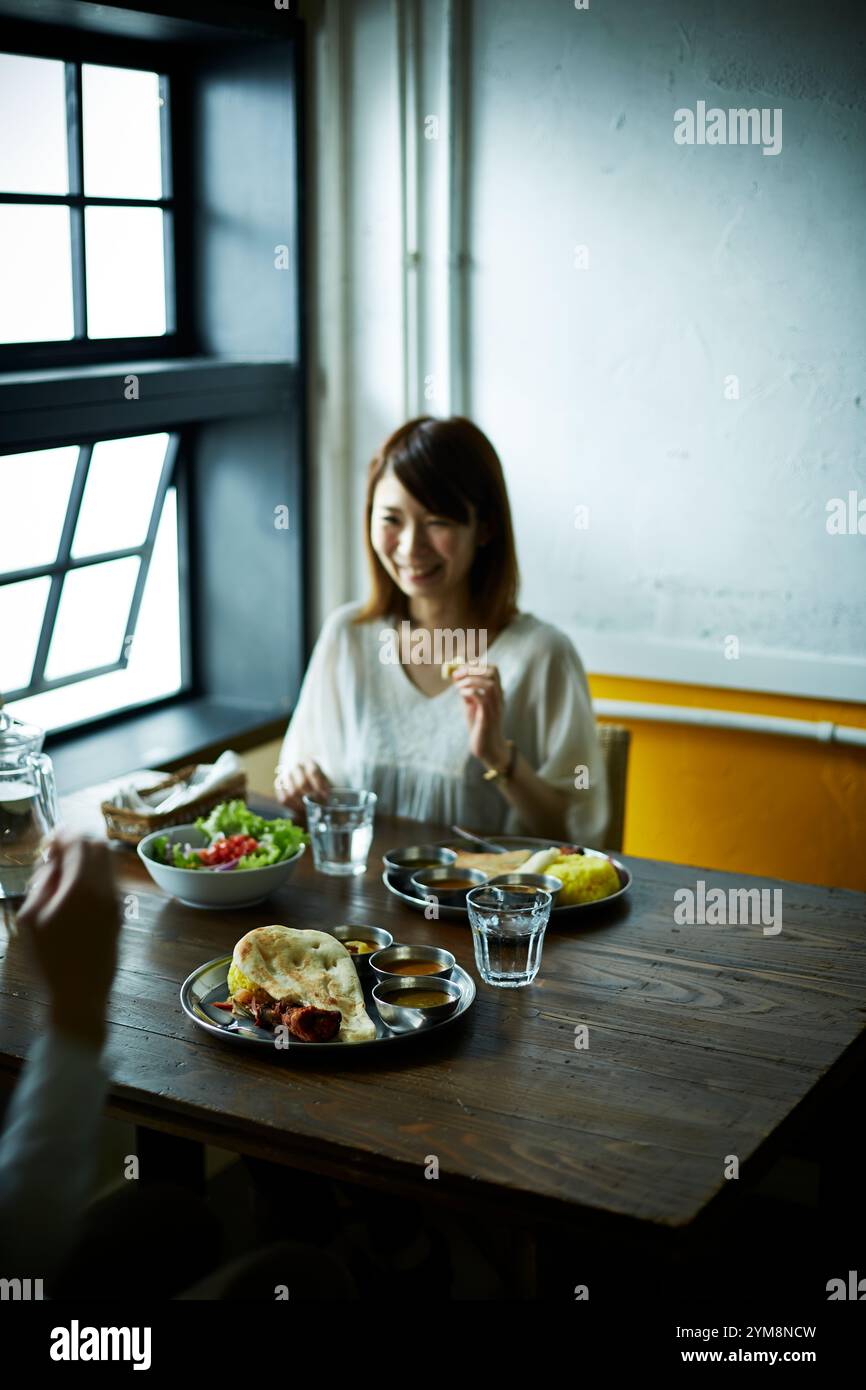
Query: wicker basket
{"x":132,"y":826}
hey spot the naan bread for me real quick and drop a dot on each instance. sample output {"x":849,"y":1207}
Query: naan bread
{"x":307,"y":967}
{"x":507,"y":863}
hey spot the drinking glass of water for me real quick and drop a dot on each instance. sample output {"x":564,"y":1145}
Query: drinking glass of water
{"x":508,"y":933}
{"x":341,"y":830}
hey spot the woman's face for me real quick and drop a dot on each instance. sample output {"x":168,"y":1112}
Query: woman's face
{"x":427,"y":555}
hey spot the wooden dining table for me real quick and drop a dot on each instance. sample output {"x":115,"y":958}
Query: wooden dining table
{"x":613,"y":1089}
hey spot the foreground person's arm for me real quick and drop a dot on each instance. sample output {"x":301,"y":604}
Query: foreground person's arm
{"x":49,"y":1142}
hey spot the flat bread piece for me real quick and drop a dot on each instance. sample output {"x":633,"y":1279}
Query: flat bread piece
{"x":307,"y":968}
{"x":492,"y":864}
{"x":449,"y":667}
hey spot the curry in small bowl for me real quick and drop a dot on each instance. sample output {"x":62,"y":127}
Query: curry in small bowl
{"x":448,"y":884}
{"x":410,"y":1002}
{"x":406,"y":960}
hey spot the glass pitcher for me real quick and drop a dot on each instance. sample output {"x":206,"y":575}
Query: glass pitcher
{"x":28,"y":803}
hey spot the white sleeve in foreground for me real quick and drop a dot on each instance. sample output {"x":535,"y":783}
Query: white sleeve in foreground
{"x":48,"y":1154}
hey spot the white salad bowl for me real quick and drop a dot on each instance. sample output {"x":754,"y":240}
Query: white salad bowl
{"x":212,"y":887}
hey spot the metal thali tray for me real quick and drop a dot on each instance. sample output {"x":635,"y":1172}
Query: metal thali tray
{"x":399,"y":884}
{"x":208,"y":985}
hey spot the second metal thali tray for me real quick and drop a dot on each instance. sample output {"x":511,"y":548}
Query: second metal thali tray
{"x":399,"y":884}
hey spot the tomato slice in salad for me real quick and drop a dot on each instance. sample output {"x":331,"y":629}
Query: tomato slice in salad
{"x":224,"y":851}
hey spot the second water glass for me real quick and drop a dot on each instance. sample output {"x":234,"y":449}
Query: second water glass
{"x":341,"y":830}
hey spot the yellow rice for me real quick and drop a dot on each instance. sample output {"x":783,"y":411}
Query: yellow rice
{"x":585,"y":878}
{"x":238,"y":980}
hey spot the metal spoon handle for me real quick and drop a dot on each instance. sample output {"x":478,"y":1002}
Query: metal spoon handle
{"x":477,"y":840}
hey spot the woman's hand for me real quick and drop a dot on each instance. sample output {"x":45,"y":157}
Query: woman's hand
{"x":540,"y":806}
{"x":484,"y":705}
{"x":293,"y":784}
{"x":72,"y":918}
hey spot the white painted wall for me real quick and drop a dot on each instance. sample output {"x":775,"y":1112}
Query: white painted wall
{"x":605,"y":386}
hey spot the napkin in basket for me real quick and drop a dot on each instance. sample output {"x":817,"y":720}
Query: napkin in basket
{"x":207,"y":777}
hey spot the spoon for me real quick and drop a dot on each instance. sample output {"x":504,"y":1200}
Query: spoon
{"x":477,"y":840}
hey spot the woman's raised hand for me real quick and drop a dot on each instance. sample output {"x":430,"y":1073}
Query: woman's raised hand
{"x":483,"y":705}
{"x":293,"y":784}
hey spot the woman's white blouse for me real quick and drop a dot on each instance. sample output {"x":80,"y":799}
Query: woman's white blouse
{"x":364,"y":722}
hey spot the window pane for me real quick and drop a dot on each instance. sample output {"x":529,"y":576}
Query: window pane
{"x":118,"y":499}
{"x":21,"y":609}
{"x":92,"y":617}
{"x":35,"y":274}
{"x":35,"y":491}
{"x":33,"y":154}
{"x":154,"y":668}
{"x":125,"y":272}
{"x":121,"y":133}
{"x":154,"y":652}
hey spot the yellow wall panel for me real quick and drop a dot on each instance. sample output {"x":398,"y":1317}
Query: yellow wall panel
{"x":760,"y":803}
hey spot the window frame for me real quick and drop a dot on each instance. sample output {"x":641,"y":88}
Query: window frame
{"x":65,"y":563}
{"x":241,"y":404}
{"x":74,"y":48}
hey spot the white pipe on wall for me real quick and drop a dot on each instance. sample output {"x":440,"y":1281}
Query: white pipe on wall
{"x":454,"y":80}
{"x":822,"y":729}
{"x":332,"y":373}
{"x":407,"y":19}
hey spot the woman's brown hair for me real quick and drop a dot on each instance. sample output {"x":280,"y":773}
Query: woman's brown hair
{"x":451,"y":468}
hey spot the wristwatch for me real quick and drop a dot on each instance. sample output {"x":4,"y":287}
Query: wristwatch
{"x":504,"y":772}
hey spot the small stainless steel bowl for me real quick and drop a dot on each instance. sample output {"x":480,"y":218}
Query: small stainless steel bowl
{"x":382,"y":963}
{"x":405,"y":862}
{"x":549,"y":882}
{"x":425,"y":883}
{"x":380,"y":938}
{"x":403,"y":1018}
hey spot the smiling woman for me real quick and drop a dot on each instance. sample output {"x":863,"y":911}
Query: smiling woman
{"x":485,"y":715}
{"x":438,"y":521}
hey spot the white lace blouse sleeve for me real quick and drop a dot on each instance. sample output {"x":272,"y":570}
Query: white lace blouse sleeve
{"x":48,"y":1154}
{"x":566,"y":736}
{"x":317,"y":727}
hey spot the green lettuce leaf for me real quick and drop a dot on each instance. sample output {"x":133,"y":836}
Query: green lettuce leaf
{"x":158,"y":848}
{"x":278,"y":839}
{"x":185,"y":861}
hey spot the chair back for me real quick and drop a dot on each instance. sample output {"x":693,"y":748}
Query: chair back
{"x":615,"y":740}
